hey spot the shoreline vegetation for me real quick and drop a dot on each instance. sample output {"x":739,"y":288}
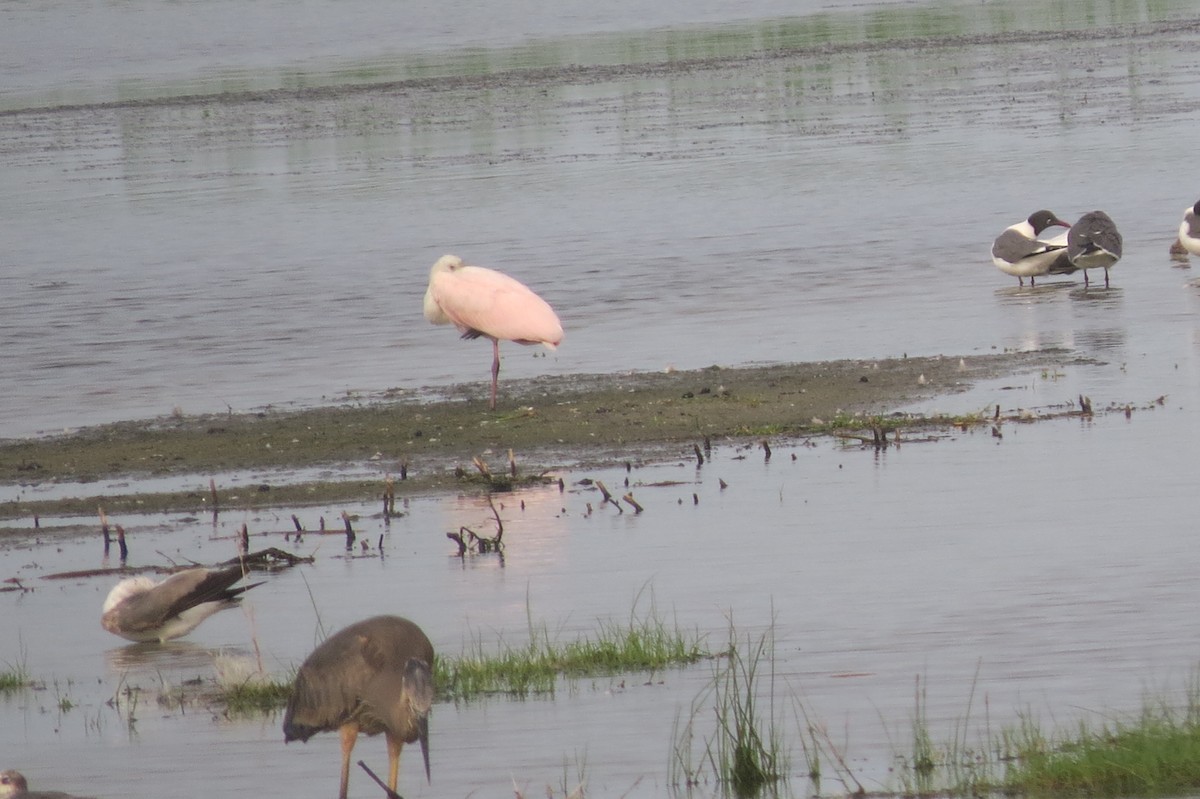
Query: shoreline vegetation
{"x":428,"y":444}
{"x":747,"y":733}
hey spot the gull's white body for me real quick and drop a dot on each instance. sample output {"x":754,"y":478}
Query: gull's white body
{"x":1019,"y":252}
{"x":1189,"y":229}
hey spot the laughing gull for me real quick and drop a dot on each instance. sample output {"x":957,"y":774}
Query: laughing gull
{"x":142,"y":610}
{"x":1019,"y":252}
{"x":14,"y":786}
{"x":1094,"y":243}
{"x":1189,"y":230}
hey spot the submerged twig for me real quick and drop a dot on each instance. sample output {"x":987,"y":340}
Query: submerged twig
{"x":386,"y":790}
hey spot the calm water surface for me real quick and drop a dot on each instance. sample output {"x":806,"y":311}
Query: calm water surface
{"x":244,"y":214}
{"x":799,"y":188}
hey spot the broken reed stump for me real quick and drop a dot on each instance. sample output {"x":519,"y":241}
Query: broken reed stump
{"x":212,"y":490}
{"x":389,"y":499}
{"x":349,"y":531}
{"x":121,"y":543}
{"x":879,"y":437}
{"x":699,"y":455}
{"x":468,"y":540}
{"x":269,"y":559}
{"x":499,"y":524}
{"x":104,"y":531}
{"x":767,"y":449}
{"x":633,"y":503}
{"x":512,"y":464}
{"x":608,"y":497}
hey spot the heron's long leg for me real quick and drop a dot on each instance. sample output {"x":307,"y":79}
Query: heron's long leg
{"x":495,"y":369}
{"x":349,"y":733}
{"x":394,"y":747}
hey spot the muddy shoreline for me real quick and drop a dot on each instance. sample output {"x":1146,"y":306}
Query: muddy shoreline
{"x":548,"y":423}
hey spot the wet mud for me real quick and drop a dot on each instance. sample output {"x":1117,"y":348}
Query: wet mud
{"x":547,"y":423}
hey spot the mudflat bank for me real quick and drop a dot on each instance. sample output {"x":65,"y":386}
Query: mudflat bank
{"x":548,"y":423}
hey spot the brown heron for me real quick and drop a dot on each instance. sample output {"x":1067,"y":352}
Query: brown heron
{"x":142,"y":610}
{"x":374,"y":676}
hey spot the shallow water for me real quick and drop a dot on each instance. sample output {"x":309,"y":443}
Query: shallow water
{"x":969,"y":555}
{"x":772,"y":189}
{"x":823,"y":185}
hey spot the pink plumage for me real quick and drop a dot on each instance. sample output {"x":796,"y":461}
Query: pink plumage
{"x":487,"y":303}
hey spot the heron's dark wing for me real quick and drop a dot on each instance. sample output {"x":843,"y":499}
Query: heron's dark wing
{"x":400,"y":691}
{"x":1011,"y":246}
{"x":327,"y":687}
{"x":360,"y":669}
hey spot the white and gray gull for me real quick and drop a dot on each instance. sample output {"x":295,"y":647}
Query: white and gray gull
{"x":140,"y":609}
{"x":1019,"y":252}
{"x":1094,"y":243}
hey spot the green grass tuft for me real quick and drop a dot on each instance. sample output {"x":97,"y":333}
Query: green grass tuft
{"x":1155,"y":754}
{"x":645,"y":644}
{"x":15,"y":677}
{"x":746,"y":753}
{"x":13,"y":680}
{"x":258,"y":696}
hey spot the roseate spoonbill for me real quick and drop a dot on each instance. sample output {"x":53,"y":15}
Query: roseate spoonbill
{"x":374,"y":676}
{"x":142,"y":610}
{"x":1094,"y":243}
{"x":1189,"y":230}
{"x":484,"y":302}
{"x":1019,"y":252}
{"x":14,"y":786}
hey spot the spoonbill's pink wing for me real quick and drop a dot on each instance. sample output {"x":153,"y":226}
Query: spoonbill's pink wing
{"x":495,"y":305}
